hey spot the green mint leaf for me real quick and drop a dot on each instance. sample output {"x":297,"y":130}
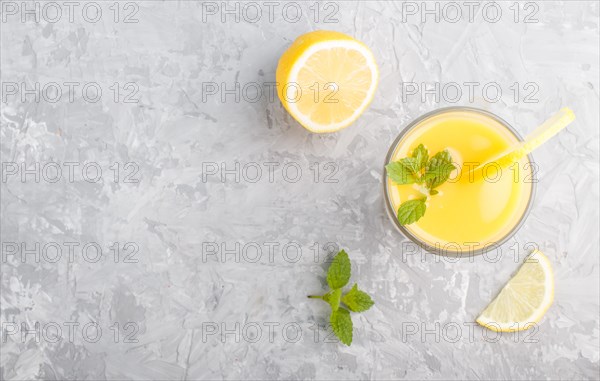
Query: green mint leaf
{"x":438,"y":169}
{"x":443,"y":155}
{"x":400,"y":174}
{"x":357,"y":300}
{"x":412,"y":164}
{"x":341,"y":323}
{"x":411,"y":211}
{"x":339,"y":271}
{"x":421,"y":156}
{"x":433,"y":192}
{"x":333,"y":297}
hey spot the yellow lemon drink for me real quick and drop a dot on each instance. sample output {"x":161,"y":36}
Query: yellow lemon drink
{"x":466,"y":216}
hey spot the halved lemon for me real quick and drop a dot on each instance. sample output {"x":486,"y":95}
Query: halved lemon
{"x":524,"y":299}
{"x":326,"y":79}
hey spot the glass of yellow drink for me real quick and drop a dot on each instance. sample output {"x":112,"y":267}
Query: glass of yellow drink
{"x":467,"y":216}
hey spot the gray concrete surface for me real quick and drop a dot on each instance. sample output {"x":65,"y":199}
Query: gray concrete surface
{"x":174,"y":231}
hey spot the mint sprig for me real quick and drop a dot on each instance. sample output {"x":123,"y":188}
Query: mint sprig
{"x":355,"y":300}
{"x":420,"y":169}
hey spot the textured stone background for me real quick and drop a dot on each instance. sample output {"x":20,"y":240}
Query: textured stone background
{"x":179,"y":312}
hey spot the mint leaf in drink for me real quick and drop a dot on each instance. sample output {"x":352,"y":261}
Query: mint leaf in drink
{"x":357,"y":300}
{"x":443,"y":156}
{"x":409,"y":170}
{"x":421,"y":156}
{"x":412,"y":164}
{"x":341,"y":323}
{"x":438,"y":170}
{"x":400,"y":173}
{"x":339,"y":271}
{"x":411,"y":211}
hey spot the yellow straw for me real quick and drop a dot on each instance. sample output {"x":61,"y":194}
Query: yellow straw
{"x":538,"y":137}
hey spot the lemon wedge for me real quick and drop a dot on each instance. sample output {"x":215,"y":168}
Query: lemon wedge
{"x":524,"y":299}
{"x":326,"y":80}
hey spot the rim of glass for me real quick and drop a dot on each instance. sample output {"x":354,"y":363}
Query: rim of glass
{"x":448,"y":252}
